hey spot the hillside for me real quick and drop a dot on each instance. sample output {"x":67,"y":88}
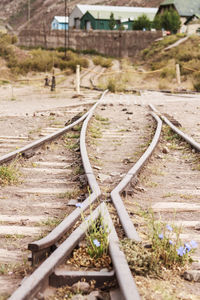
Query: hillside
{"x":156,"y":57}
{"x":15,"y":12}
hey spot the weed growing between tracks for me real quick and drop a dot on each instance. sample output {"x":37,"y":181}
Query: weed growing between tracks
{"x":71,"y":139}
{"x":95,"y":132}
{"x":105,"y":121}
{"x":19,"y":269}
{"x":93,"y":250}
{"x":97,"y":238}
{"x":70,"y":194}
{"x":95,"y":129}
{"x":9,"y":174}
{"x":165,"y":249}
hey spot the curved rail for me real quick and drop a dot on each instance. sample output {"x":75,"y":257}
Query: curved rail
{"x":39,"y":278}
{"x":36,"y":144}
{"x":115,"y":194}
{"x":33,"y":284}
{"x":123,"y":273}
{"x":186,"y":137}
{"x":41,"y":247}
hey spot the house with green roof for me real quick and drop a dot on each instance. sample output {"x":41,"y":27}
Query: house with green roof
{"x":102,"y":12}
{"x":188,"y":10}
{"x":100,"y":19}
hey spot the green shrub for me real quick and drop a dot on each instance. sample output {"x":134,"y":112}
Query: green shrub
{"x":111,"y":85}
{"x":181,"y":35}
{"x":83,"y":62}
{"x":165,"y":250}
{"x":14,"y":39}
{"x":97,"y":238}
{"x":197,"y":86}
{"x":141,"y":23}
{"x":168,"y":72}
{"x":170,"y":20}
{"x":102,"y":61}
{"x":185,"y":56}
{"x":196,"y":75}
{"x":8,"y":174}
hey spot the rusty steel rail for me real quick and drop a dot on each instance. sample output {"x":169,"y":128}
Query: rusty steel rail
{"x":38,"y":280}
{"x":123,"y":273}
{"x":46,"y":245}
{"x":38,"y":143}
{"x":125,"y":220}
{"x":46,"y":272}
{"x":184,"y":136}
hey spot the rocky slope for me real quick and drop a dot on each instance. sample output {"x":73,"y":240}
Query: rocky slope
{"x":15,"y":12}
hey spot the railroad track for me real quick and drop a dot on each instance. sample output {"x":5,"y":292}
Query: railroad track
{"x":168,"y":186}
{"x":47,"y":121}
{"x":39,"y":248}
{"x":111,"y":185}
{"x":183,"y":194}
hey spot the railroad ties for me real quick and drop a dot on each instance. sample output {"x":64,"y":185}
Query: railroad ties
{"x":47,"y":196}
{"x":116,"y":157}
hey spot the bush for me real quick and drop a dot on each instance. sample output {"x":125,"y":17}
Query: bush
{"x":104,"y":62}
{"x":168,"y":72}
{"x":42,"y":60}
{"x":196,"y":86}
{"x":185,"y":56}
{"x":141,"y":23}
{"x":169,"y":20}
{"x":112,"y":22}
{"x":14,"y":39}
{"x":111,"y":86}
{"x":181,"y":35}
{"x":166,"y":250}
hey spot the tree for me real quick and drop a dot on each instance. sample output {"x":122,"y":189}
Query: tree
{"x":112,"y":21}
{"x":169,"y":20}
{"x":141,"y":23}
{"x":157,"y":22}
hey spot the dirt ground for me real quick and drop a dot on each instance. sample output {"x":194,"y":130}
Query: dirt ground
{"x":24,"y":106}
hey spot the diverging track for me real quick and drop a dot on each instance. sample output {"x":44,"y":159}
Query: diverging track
{"x":46,"y":245}
{"x":117,"y":150}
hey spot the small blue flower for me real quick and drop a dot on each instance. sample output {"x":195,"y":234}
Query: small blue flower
{"x":161,"y":236}
{"x":181,"y":251}
{"x":171,"y":242}
{"x":193,"y":244}
{"x":169,"y":227}
{"x":79,"y":205}
{"x":96,"y":243}
{"x":187,"y":247}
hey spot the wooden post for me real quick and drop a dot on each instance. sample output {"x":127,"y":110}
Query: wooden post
{"x":78,"y":79}
{"x":178,"y":74}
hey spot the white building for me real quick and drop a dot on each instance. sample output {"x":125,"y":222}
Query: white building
{"x":60,"y":23}
{"x":79,"y":10}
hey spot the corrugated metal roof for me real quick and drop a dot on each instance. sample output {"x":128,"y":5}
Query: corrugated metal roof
{"x":120,"y":15}
{"x":61,"y":19}
{"x":84,"y":8}
{"x":184,"y":7}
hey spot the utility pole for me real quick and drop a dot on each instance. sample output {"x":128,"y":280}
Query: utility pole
{"x":29,"y":10}
{"x":68,"y":27}
{"x":65,"y":28}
